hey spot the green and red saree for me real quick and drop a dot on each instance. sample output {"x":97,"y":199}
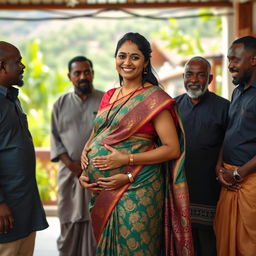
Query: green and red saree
{"x":151,"y":215}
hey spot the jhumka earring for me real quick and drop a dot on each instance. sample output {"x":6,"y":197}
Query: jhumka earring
{"x":145,"y":71}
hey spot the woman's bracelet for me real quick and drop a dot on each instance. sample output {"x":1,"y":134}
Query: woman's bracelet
{"x":131,"y":160}
{"x":130,"y":177}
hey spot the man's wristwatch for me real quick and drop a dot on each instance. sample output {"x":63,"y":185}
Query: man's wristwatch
{"x":236,"y":175}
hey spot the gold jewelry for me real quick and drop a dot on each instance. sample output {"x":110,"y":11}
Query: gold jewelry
{"x":130,"y":177}
{"x":131,"y":160}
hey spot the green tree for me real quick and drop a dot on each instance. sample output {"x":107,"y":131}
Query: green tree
{"x":88,"y":37}
{"x":41,"y":88}
{"x":184,"y":35}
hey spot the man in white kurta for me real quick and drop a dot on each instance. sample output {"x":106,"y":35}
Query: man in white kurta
{"x":72,"y":121}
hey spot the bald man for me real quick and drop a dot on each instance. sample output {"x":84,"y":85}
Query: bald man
{"x":204,"y":116}
{"x":21,"y":211}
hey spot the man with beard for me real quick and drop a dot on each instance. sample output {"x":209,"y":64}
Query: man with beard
{"x":21,"y":211}
{"x":235,"y":222}
{"x":72,"y":122}
{"x":204,"y":116}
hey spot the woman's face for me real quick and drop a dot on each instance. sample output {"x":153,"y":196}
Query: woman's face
{"x":130,"y":61}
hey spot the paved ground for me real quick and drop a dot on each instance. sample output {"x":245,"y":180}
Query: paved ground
{"x":46,"y":239}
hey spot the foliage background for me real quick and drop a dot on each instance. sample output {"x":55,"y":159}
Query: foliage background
{"x":47,"y":47}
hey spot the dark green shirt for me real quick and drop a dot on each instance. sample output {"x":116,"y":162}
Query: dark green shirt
{"x":18,"y":188}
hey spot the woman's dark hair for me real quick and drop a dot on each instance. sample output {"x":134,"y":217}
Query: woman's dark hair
{"x":144,"y":47}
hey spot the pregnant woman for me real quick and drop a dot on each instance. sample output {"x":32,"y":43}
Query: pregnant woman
{"x":133,"y":163}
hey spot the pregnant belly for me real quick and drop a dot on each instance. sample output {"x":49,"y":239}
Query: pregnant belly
{"x":94,"y":173}
{"x":131,"y":145}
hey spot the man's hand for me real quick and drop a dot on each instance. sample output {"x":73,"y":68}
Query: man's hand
{"x":225,"y":177}
{"x":75,"y":167}
{"x":6,"y":219}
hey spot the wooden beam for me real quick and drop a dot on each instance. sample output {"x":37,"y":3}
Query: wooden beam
{"x":114,"y":5}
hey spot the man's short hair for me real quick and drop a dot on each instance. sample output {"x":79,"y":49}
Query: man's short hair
{"x":199,"y":58}
{"x":79,"y":59}
{"x":249,"y":42}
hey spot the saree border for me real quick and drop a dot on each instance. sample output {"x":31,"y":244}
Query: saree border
{"x":106,"y":202}
{"x":133,"y":122}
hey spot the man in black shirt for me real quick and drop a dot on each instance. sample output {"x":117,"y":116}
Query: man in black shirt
{"x":21,"y":211}
{"x":204,"y":116}
{"x":235,"y":223}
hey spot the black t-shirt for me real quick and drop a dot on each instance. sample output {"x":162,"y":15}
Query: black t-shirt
{"x":240,"y":138}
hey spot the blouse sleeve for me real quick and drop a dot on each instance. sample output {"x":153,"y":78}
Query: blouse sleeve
{"x":148,"y":128}
{"x":106,"y":97}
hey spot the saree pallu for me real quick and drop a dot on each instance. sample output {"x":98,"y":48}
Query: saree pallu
{"x":235,"y":220}
{"x":151,"y":215}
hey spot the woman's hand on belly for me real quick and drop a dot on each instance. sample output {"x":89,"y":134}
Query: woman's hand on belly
{"x":114,"y":160}
{"x":84,"y":158}
{"x":84,"y":182}
{"x":113,"y":182}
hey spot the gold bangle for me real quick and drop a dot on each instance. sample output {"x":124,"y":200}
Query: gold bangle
{"x":131,"y":160}
{"x":130,"y":177}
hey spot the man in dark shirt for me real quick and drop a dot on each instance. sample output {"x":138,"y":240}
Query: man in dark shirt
{"x":204,"y":116}
{"x":235,"y":223}
{"x":21,"y":212}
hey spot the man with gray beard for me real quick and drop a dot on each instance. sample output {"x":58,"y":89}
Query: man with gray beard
{"x":72,"y":121}
{"x":204,"y":116}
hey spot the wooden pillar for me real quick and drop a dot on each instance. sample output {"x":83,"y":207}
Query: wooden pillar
{"x":215,"y":64}
{"x":244,"y":18}
{"x":228,"y":36}
{"x":254,"y":17}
